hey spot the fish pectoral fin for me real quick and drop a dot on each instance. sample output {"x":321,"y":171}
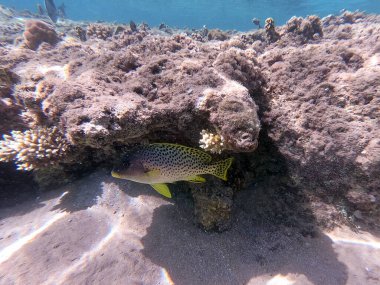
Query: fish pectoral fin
{"x":196,"y":179}
{"x":153,"y":173}
{"x":163,"y":189}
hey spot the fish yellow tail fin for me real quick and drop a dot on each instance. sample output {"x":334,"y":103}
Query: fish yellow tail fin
{"x":220,"y":168}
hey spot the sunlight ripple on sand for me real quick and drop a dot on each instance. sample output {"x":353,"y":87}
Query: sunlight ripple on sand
{"x":165,"y":277}
{"x":354,"y":241}
{"x":280,"y":280}
{"x":87,"y":256}
{"x":7,"y":252}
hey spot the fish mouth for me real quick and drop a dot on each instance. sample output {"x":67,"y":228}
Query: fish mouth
{"x":115,"y":174}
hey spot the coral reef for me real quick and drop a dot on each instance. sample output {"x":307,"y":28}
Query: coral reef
{"x":37,"y":32}
{"x":9,"y":108}
{"x":305,"y":29}
{"x":321,"y":109}
{"x":81,"y":33}
{"x":212,"y":205}
{"x":311,"y":86}
{"x":33,"y":149}
{"x":270,"y":31}
{"x":217,"y":35}
{"x":102,"y":32}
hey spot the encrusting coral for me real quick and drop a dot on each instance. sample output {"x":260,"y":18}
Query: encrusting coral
{"x":37,"y":32}
{"x":99,"y":31}
{"x":306,"y":29}
{"x":80,"y":33}
{"x":33,"y":149}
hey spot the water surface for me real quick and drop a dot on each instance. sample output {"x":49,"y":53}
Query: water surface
{"x":223,"y":14}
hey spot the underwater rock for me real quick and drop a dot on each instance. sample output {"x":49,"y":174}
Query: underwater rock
{"x":10,"y":110}
{"x":241,"y":66}
{"x":217,"y":35}
{"x":197,"y":37}
{"x":212,"y":205}
{"x":234,"y":115}
{"x":53,"y":176}
{"x":305,"y":29}
{"x":321,"y":109}
{"x":126,"y":62}
{"x":7,"y":79}
{"x":314,"y":91}
{"x":37,"y":32}
{"x":132,"y":93}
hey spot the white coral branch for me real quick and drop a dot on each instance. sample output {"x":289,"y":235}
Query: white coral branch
{"x":213,"y":143}
{"x":33,"y":149}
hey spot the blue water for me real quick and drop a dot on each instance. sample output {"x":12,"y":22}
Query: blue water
{"x":223,"y":14}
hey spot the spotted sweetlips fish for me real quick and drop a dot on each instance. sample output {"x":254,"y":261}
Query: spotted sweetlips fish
{"x":160,"y":163}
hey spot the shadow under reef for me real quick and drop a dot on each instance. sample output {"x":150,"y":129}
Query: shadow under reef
{"x":273,"y":232}
{"x":17,"y":187}
{"x":82,"y":194}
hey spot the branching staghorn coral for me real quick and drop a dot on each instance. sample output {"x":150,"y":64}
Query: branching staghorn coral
{"x":213,"y":143}
{"x":34,"y":148}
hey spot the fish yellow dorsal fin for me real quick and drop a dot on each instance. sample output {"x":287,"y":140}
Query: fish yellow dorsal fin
{"x":195,"y":179}
{"x":163,"y":189}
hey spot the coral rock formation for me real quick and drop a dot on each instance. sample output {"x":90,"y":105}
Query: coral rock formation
{"x":270,"y":30}
{"x":212,"y":205}
{"x":102,"y":32}
{"x":81,"y":33}
{"x":322,"y":109}
{"x":311,"y":86}
{"x":305,"y":29}
{"x":37,"y":32}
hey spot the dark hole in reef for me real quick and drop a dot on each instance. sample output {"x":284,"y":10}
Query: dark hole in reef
{"x":155,"y":69}
{"x":83,"y":119}
{"x":138,"y":89}
{"x":272,"y":197}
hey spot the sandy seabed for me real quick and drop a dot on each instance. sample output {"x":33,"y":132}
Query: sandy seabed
{"x":99,"y":230}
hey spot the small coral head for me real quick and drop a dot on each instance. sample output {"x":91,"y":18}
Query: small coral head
{"x":269,"y":24}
